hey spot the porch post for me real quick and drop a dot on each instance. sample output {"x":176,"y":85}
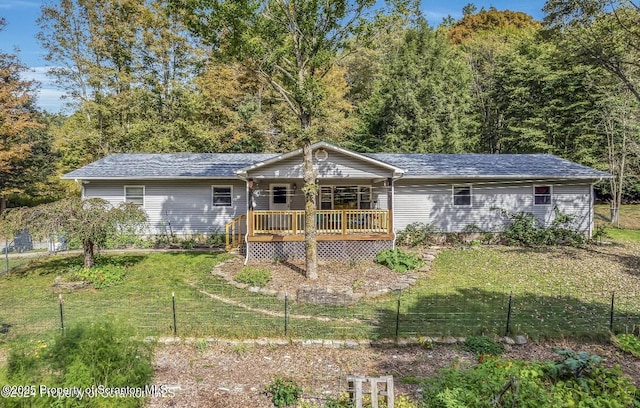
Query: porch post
{"x":390,"y":204}
{"x":252,"y":184}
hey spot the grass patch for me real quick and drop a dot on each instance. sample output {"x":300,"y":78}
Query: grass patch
{"x":623,"y":235}
{"x":31,"y":305}
{"x":629,"y":215}
{"x":253,"y":276}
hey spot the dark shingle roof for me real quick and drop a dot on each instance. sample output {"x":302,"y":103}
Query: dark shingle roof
{"x":221,"y":165}
{"x":166,"y":166}
{"x":487,"y":165}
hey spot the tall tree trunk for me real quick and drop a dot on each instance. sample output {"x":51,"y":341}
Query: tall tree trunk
{"x":3,"y":204}
{"x":89,"y":257}
{"x":310,"y":197}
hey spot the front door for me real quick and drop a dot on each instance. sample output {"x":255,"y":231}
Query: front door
{"x":279,"y":199}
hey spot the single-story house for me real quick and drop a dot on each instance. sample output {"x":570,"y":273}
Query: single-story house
{"x":363,"y":199}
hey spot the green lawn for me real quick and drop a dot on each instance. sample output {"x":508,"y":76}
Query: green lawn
{"x":629,"y":216}
{"x":555,"y":293}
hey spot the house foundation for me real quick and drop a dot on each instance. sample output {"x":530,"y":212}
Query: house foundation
{"x":356,"y":250}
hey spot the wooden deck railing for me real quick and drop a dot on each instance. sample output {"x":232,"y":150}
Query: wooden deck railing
{"x":234,"y":232}
{"x":329,"y":222}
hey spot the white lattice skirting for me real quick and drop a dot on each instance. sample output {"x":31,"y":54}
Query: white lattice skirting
{"x":327,"y":250}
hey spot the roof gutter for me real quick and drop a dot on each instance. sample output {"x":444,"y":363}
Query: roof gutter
{"x":523,"y":177}
{"x":66,"y":177}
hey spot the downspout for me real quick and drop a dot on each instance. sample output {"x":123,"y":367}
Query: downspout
{"x":246,"y":226}
{"x":591,"y":205}
{"x":393,"y":211}
{"x":81,"y":184}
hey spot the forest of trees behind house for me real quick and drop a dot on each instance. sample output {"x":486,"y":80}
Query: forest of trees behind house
{"x":141,"y":76}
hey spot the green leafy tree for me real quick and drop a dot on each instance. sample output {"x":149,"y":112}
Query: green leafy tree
{"x":420,"y":102}
{"x":602,"y":32}
{"x":128,"y":69}
{"x":483,"y":38}
{"x":90,"y":221}
{"x":548,"y":103}
{"x":292,"y":45}
{"x":606,"y":35}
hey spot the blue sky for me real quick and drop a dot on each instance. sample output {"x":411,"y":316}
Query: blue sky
{"x":21,"y":29}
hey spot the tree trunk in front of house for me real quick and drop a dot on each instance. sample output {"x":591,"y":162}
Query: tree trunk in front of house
{"x":89,"y":257}
{"x":310,"y":228}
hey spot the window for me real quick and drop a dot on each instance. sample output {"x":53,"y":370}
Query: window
{"x":326,"y":198}
{"x":280,"y":194}
{"x":345,"y":197}
{"x":462,"y":195}
{"x":542,"y":195}
{"x":221,"y":196}
{"x":134,"y":194}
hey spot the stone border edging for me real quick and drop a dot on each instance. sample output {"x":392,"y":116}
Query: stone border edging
{"x":333,"y":343}
{"x":404,"y":281}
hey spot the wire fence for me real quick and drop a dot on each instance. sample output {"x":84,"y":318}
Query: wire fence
{"x":221,"y":311}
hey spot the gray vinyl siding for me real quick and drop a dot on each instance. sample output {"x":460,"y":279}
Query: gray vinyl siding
{"x":432,"y":203}
{"x":185,"y":206}
{"x":337,"y":165}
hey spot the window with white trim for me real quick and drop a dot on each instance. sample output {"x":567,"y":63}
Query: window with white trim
{"x":134,"y":195}
{"x":461,"y":195}
{"x":542,"y":195}
{"x":221,"y":196}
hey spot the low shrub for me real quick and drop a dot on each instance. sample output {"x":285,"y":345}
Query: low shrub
{"x":483,"y":346}
{"x":216,"y":240}
{"x":499,"y":382}
{"x":253,"y":276}
{"x":398,"y":260}
{"x":284,"y":392}
{"x":573,"y":364}
{"x":82,"y":357}
{"x":628,"y":343}
{"x":416,"y":234}
{"x":524,"y":228}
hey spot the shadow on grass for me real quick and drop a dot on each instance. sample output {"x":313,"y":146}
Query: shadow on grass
{"x":467,"y":312}
{"x":58,"y":264}
{"x":630,"y":262}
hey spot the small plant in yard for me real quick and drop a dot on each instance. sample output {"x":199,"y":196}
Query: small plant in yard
{"x":201,"y":345}
{"x":216,"y":240}
{"x":253,"y":276}
{"x":101,"y":276}
{"x":600,"y":233}
{"x":574,"y":364}
{"x":398,"y":260}
{"x":483,"y":346}
{"x":628,"y":343}
{"x":284,"y":392}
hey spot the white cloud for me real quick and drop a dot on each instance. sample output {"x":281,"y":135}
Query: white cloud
{"x":7,"y":4}
{"x":49,"y":95}
{"x":435,"y":17}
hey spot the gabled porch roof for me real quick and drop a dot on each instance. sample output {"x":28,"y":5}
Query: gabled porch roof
{"x":316,"y":147}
